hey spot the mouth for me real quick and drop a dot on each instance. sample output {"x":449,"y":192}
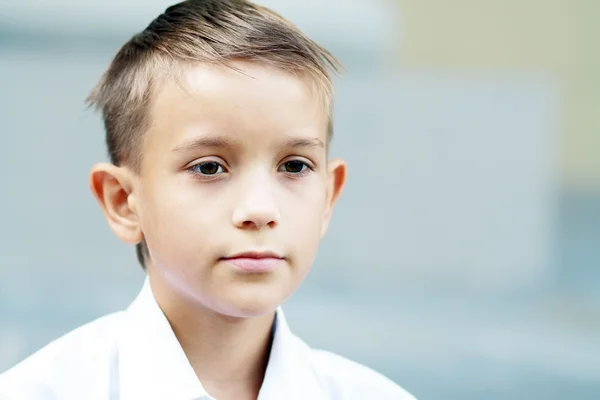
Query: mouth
{"x":255,"y":261}
{"x":255,"y":255}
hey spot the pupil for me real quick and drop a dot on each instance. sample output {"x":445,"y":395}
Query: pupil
{"x":294,"y":166}
{"x":209,"y":168}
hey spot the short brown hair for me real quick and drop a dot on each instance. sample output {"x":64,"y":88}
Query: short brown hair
{"x":207,"y":31}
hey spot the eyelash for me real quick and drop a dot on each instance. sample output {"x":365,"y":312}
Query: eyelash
{"x":306,"y":169}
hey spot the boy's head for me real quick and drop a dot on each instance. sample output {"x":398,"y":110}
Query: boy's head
{"x":217,"y":121}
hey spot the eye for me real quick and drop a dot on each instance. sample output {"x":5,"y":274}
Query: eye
{"x":294,"y":167}
{"x":207,"y":168}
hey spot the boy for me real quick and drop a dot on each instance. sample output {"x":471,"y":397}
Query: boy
{"x":217,"y":122}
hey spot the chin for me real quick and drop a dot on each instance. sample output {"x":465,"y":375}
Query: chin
{"x":248,"y":311}
{"x":250,"y":302}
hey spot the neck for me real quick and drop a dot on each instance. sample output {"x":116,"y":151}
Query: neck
{"x":228,"y":354}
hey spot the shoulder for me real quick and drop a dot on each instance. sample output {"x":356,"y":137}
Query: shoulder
{"x":350,"y":380}
{"x":79,"y":359}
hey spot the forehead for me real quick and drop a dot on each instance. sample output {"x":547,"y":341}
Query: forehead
{"x":249,"y":101}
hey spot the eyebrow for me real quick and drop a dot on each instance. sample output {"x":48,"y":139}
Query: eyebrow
{"x":201,"y":143}
{"x":302,"y":142}
{"x":221,"y":142}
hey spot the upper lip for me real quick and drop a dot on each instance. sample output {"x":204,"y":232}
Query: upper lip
{"x":255,"y":254}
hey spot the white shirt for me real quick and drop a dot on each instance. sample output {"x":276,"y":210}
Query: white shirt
{"x":134,"y":355}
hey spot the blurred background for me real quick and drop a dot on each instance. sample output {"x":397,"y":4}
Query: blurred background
{"x":464,"y":258}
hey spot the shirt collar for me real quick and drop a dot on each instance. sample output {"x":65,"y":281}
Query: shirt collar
{"x":152,"y":364}
{"x":289,"y":372}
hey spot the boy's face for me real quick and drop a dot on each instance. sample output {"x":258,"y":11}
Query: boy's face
{"x":234,"y":164}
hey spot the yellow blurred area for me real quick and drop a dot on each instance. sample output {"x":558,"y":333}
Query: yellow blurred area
{"x":556,"y":37}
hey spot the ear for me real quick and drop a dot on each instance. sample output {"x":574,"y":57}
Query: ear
{"x":113,"y":188}
{"x":336,"y":179}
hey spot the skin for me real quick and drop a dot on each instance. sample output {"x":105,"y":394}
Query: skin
{"x":234,"y":161}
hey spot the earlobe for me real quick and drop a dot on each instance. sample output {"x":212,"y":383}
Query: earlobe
{"x":335,"y":185}
{"x":112,"y":187}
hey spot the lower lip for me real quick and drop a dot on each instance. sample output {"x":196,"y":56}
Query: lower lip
{"x":254,"y":265}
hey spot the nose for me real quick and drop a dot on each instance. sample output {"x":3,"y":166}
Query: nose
{"x":256,"y":207}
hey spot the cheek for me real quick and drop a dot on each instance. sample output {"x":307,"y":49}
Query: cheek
{"x":302,"y":220}
{"x":176,"y":223}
